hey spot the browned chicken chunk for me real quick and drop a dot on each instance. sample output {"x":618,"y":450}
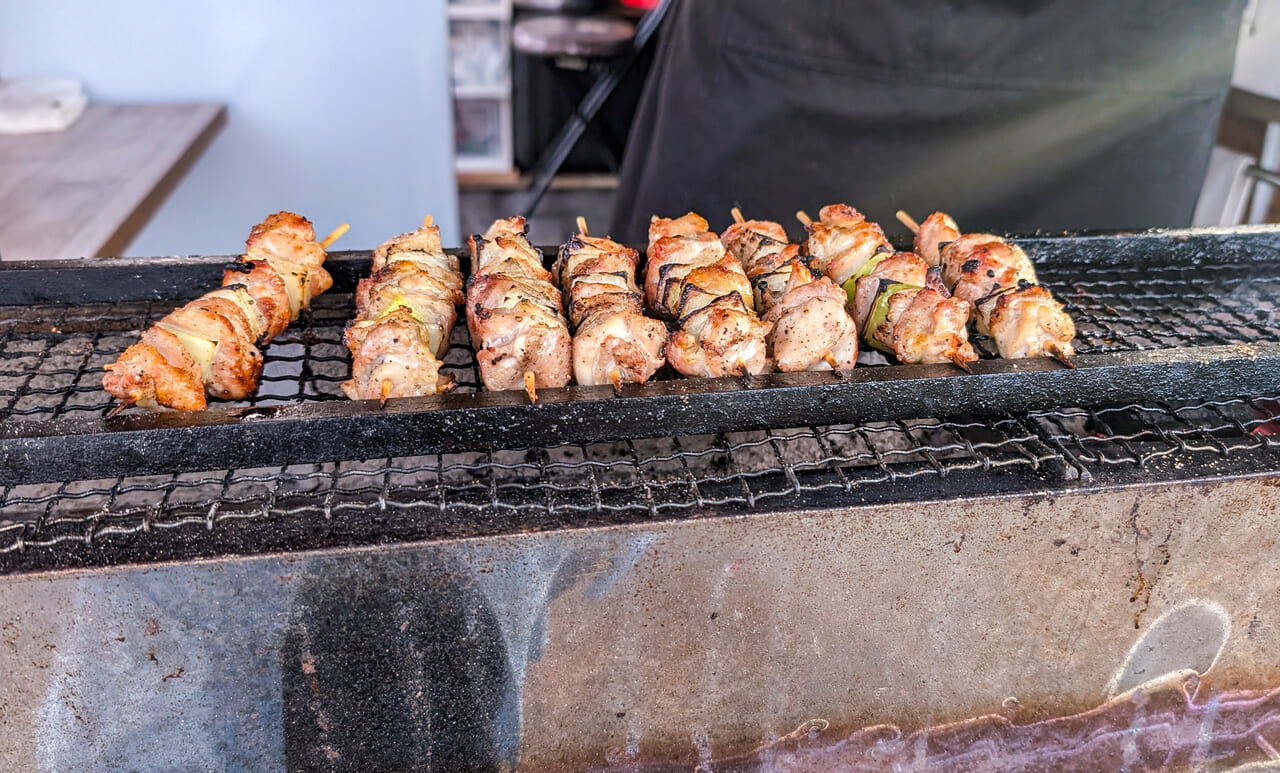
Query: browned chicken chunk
{"x":613,"y":342}
{"x":514,"y":312}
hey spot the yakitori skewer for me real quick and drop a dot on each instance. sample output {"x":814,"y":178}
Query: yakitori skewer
{"x":406,"y":310}
{"x":692,"y":280}
{"x":811,"y":328}
{"x":1021,"y":316}
{"x":514,"y":313}
{"x":210,"y":345}
{"x":613,"y":341}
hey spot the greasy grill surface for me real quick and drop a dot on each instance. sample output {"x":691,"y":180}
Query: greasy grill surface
{"x":1225,"y":293}
{"x":52,"y":357}
{"x":451,"y":495}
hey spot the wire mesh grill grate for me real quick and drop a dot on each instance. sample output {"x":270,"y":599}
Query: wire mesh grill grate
{"x":622,"y":481}
{"x":52,"y":358}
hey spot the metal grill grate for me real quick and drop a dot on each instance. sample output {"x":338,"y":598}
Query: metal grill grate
{"x":463,"y":494}
{"x":52,"y":357}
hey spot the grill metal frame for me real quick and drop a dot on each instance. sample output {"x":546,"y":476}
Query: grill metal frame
{"x":1173,"y":339}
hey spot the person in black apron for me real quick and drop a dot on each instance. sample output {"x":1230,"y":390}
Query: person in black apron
{"x":1012,"y":116}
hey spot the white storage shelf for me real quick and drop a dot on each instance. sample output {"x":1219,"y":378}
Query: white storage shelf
{"x":480,"y":48}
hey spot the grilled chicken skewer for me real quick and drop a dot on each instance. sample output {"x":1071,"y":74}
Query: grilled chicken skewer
{"x":915,"y":318}
{"x":811,"y":329}
{"x":210,"y":345}
{"x":514,"y":313}
{"x":692,"y":280}
{"x":406,"y":307}
{"x":613,"y":341}
{"x":905,"y":310}
{"x":996,"y":276}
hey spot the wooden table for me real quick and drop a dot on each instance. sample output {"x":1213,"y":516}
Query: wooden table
{"x":88,"y":190}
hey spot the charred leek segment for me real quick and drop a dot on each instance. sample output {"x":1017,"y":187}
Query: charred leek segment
{"x":691,"y":279}
{"x":406,"y":310}
{"x":878,"y":332}
{"x":811,"y":328}
{"x":999,"y":279}
{"x":514,"y":313}
{"x":850,"y":285}
{"x":613,"y":341}
{"x":210,"y":345}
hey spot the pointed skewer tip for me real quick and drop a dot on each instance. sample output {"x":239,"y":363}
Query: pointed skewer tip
{"x":615,"y":378}
{"x":960,"y":362}
{"x":119,"y":408}
{"x":530,"y":386}
{"x":908,"y":221}
{"x":1061,"y":356}
{"x":386,"y":391}
{"x":830,"y":359}
{"x":335,"y":235}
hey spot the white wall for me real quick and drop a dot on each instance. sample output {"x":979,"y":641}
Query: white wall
{"x":336,"y":110}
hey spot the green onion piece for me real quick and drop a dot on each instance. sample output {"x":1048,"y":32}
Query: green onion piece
{"x":851,"y":284}
{"x":880,"y":313}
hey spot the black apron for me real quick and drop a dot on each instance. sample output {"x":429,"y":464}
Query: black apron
{"x":1012,"y":116}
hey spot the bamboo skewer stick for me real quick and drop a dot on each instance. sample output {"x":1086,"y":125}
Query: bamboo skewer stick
{"x":737,"y":215}
{"x":804,"y":218}
{"x":335,"y":235}
{"x":908,"y":221}
{"x":427,"y":221}
{"x":582,"y":226}
{"x":530,"y":386}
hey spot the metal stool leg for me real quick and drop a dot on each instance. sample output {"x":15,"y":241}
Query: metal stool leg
{"x":556,"y":154}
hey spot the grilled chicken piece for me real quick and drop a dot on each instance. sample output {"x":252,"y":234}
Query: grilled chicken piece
{"x":999,"y":279}
{"x":691,"y":279}
{"x":811,"y":329}
{"x":1026,"y":321}
{"x":514,"y":313}
{"x":904,"y":267}
{"x":761,"y":247}
{"x":407,"y":308}
{"x":613,"y":342}
{"x":393,"y":357}
{"x":973,"y":272}
{"x":810,"y":324}
{"x":920,"y":325}
{"x":841,"y":241}
{"x":210,"y":344}
{"x":937,"y":231}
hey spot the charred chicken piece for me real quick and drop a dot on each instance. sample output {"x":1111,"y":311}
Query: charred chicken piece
{"x":613,"y":341}
{"x":935,"y":233}
{"x":1026,"y":321}
{"x":811,"y":328}
{"x":210,"y":345}
{"x":841,"y":241}
{"x":514,"y":312}
{"x":692,"y":280}
{"x":406,"y":310}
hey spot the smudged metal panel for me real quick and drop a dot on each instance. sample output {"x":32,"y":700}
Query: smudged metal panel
{"x":671,"y":642}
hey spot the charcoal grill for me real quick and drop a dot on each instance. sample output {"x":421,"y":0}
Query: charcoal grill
{"x":544,"y":531}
